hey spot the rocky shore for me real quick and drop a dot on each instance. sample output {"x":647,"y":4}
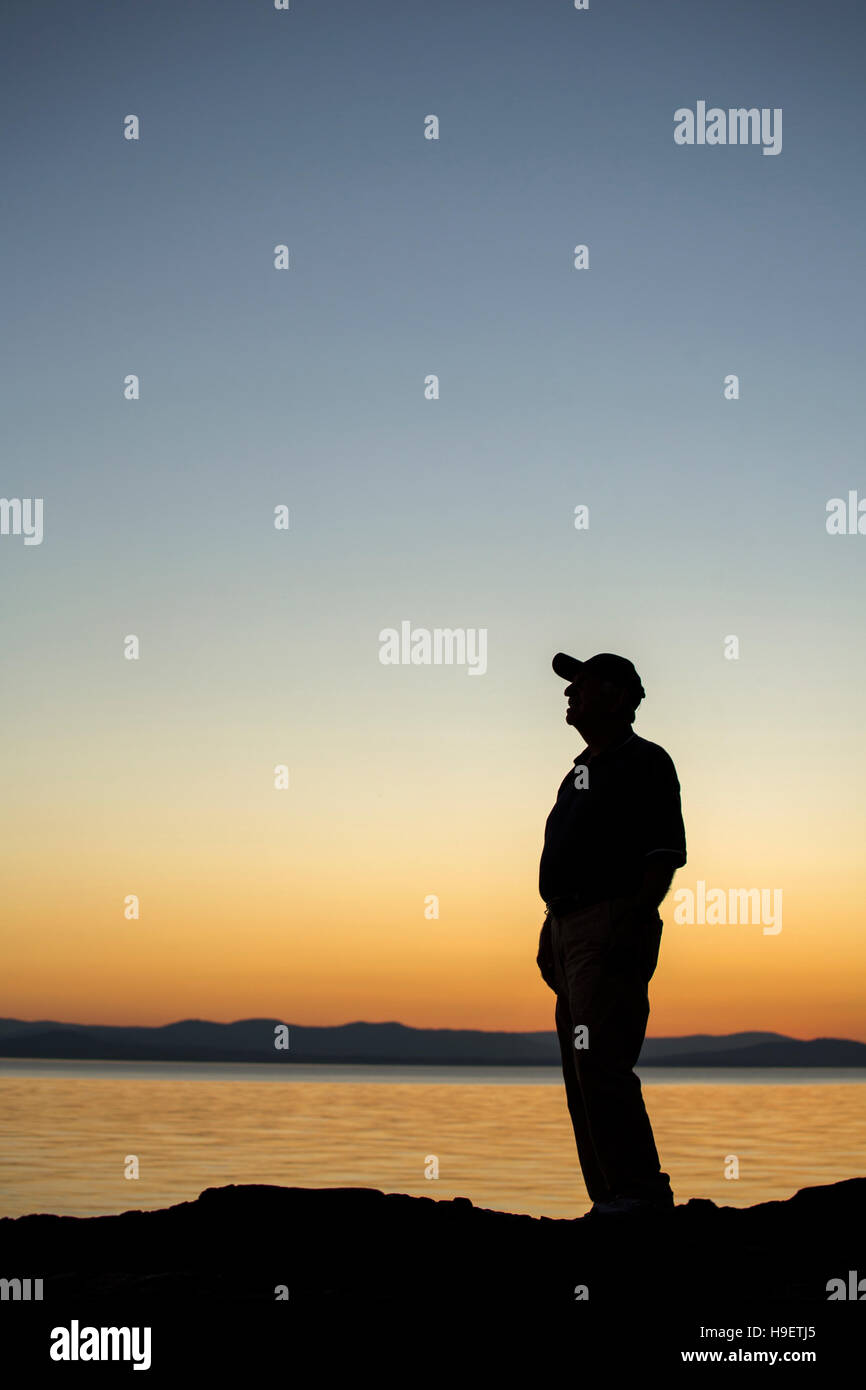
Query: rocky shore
{"x":359,"y":1246}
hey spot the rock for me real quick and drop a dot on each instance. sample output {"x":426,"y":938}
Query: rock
{"x":369,"y":1248}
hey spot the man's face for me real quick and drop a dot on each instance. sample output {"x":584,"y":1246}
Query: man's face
{"x":591,"y":701}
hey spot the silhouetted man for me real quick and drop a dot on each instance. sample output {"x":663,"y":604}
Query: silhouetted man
{"x":611,"y":846}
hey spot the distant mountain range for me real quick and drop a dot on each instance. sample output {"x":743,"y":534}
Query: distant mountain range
{"x":252,"y":1040}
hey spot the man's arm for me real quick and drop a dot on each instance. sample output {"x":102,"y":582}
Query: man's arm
{"x":657,"y":879}
{"x":662,"y":832}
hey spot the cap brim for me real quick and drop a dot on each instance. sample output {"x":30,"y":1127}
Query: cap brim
{"x":566,"y":666}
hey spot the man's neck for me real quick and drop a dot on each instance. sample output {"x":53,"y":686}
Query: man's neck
{"x":602,"y":739}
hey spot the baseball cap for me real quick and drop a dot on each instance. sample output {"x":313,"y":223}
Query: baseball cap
{"x":604,"y":665}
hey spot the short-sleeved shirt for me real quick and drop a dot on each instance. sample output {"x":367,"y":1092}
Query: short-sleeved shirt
{"x":597,"y":838}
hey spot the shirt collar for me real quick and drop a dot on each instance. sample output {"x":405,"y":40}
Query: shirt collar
{"x":581,"y":757}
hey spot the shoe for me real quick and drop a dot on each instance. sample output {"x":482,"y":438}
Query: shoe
{"x":602,"y":1209}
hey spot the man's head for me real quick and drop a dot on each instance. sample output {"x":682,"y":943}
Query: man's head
{"x":603,"y":691}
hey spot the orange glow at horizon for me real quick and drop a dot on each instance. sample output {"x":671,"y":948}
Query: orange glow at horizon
{"x":308,"y":906}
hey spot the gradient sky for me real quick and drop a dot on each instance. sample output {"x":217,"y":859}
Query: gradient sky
{"x":558,"y":387}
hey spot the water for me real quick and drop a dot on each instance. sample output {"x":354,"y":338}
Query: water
{"x":501,"y":1135}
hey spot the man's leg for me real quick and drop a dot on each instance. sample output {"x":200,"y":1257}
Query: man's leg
{"x":597,"y":1186}
{"x":593,"y":1176}
{"x":607,"y":961}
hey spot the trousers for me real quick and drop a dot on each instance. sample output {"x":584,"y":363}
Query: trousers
{"x":600,"y":960}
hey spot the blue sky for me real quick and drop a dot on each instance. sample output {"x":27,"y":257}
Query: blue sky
{"x":451,"y":257}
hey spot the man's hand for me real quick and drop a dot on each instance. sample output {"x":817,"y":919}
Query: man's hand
{"x":544,"y":959}
{"x":657,"y":879}
{"x":644,"y":904}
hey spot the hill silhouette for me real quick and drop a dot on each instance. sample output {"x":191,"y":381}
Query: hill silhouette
{"x":252,"y":1040}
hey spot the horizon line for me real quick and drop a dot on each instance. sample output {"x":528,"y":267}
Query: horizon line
{"x":378,"y":1023}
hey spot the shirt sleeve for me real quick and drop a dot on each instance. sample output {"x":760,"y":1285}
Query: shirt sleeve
{"x":661,"y":829}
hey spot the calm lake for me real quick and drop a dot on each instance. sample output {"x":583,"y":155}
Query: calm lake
{"x":501,"y":1135}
